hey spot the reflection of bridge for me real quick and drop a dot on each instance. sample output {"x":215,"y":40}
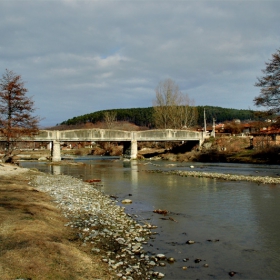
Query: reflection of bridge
{"x":129,"y":138}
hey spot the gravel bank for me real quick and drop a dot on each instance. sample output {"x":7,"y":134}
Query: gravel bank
{"x":10,"y":169}
{"x":228,"y":177}
{"x":103,"y":225}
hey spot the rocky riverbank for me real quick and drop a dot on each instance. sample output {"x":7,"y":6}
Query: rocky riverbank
{"x":102,"y":225}
{"x":221,"y":176}
{"x":96,"y":231}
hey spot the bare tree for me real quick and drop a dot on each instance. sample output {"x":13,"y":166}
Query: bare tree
{"x":16,"y":119}
{"x":188,"y":114}
{"x":167,"y":94}
{"x":173,"y":109}
{"x":110,"y":118}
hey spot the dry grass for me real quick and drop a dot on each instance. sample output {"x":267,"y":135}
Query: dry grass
{"x":34,"y":243}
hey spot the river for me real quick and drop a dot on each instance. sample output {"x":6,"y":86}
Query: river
{"x":235,"y":224}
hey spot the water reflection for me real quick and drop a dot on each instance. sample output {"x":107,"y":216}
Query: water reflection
{"x":55,"y":169}
{"x":134,"y":174}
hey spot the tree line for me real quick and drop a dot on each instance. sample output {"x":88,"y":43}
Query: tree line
{"x":138,"y":116}
{"x":145,"y":116}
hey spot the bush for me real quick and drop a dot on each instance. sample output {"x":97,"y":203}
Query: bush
{"x":270,"y":154}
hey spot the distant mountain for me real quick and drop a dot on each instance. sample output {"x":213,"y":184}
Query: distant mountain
{"x":144,"y":116}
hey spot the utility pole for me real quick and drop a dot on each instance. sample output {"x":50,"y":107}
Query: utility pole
{"x":213,"y":128}
{"x":204,"y":122}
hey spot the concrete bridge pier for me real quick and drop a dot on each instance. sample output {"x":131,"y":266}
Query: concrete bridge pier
{"x":130,"y":149}
{"x":56,"y":155}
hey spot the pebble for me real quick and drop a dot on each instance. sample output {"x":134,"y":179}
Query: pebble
{"x":126,"y":201}
{"x":102,"y":224}
{"x":152,"y":263}
{"x":161,"y":256}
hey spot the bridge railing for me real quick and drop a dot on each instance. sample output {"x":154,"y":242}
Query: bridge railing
{"x":79,"y":135}
{"x":114,"y":135}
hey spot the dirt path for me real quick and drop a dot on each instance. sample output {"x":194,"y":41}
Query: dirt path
{"x":34,"y":243}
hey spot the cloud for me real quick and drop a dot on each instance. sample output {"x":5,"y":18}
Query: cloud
{"x":83,"y":56}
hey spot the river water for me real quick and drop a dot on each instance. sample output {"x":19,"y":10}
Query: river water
{"x":235,"y":225}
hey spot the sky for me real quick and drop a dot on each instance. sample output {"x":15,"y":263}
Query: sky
{"x":77,"y":57}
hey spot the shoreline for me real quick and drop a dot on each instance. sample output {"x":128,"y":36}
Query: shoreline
{"x":102,"y":225}
{"x":222,"y":176}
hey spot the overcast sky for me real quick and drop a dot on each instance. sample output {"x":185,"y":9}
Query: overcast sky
{"x":78,"y":57}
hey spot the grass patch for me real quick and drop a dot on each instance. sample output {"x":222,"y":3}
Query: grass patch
{"x":34,"y":243}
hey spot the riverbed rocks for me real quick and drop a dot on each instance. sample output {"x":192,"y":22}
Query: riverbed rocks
{"x":232,"y":273}
{"x":42,"y":159}
{"x":160,"y":211}
{"x":161,"y":256}
{"x":221,"y":176}
{"x":103,"y":226}
{"x":126,"y":201}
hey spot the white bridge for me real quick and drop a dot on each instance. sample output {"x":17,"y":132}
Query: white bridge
{"x":129,"y":138}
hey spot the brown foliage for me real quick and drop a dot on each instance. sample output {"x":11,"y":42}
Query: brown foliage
{"x":233,"y":127}
{"x":16,"y":119}
{"x":269,"y":153}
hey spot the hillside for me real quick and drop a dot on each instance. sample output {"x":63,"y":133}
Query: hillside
{"x":143,"y":117}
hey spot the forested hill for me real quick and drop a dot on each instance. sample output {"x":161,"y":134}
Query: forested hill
{"x":144,"y":116}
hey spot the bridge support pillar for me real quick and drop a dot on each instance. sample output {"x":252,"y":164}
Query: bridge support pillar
{"x":130,"y":149}
{"x":134,"y":148}
{"x":56,"y":155}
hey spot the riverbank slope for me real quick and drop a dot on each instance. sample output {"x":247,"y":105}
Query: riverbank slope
{"x":35,"y":243}
{"x":231,"y":149}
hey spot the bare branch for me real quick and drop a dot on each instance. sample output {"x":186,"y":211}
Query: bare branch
{"x":110,"y":118}
{"x":173,"y":109}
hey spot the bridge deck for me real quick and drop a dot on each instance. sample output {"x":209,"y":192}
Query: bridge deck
{"x":118,"y":135}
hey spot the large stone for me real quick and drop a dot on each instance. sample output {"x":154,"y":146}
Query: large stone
{"x":42,"y":159}
{"x":126,"y":201}
{"x":161,"y":256}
